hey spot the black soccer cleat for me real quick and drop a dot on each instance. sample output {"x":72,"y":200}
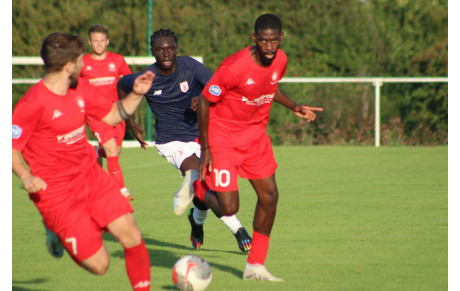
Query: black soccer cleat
{"x":197,"y":234}
{"x":243,"y":239}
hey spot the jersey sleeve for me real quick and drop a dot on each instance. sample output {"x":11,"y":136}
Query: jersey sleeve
{"x":95,"y":107}
{"x":26,"y":116}
{"x":221,"y":82}
{"x":124,"y":68}
{"x":202,"y":73}
{"x":127,"y":82}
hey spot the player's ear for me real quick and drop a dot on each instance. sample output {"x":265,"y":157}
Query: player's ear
{"x":253,"y":36}
{"x":282,"y":36}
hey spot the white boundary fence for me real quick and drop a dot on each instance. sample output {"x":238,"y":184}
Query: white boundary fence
{"x":376,"y":81}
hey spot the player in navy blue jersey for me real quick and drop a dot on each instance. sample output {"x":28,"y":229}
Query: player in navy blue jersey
{"x":173,"y":100}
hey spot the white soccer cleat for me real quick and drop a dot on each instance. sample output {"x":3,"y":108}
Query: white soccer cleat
{"x":259,"y":272}
{"x":184,"y":196}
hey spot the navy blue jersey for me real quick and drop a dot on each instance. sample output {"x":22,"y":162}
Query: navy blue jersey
{"x":170,"y":97}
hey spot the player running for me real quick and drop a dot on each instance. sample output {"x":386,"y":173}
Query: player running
{"x":77,"y":199}
{"x":173,"y":99}
{"x":233,"y":113}
{"x":103,"y":69}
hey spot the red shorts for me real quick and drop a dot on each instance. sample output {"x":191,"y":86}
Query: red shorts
{"x":104,"y":132}
{"x":251,"y":162}
{"x":84,"y":213}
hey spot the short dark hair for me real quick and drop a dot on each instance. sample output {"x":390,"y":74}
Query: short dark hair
{"x":163,"y":32}
{"x":98,"y":28}
{"x":59,"y":48}
{"x":268,"y":21}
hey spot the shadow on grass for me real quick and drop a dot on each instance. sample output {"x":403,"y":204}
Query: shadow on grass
{"x":164,"y":258}
{"x":34,"y":282}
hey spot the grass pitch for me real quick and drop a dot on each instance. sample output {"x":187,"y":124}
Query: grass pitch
{"x":348,"y":218}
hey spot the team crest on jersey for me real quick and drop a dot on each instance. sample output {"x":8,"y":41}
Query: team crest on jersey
{"x":184,"y":86}
{"x":17,"y":130}
{"x":80,"y":103}
{"x":275,"y":76}
{"x":112,"y":67}
{"x":215,"y":90}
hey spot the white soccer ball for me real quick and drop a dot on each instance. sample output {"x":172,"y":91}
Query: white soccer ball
{"x":191,"y":273}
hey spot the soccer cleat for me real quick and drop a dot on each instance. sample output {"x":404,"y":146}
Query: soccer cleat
{"x":243,"y":239}
{"x":259,"y":272}
{"x":184,"y":196}
{"x":53,"y":244}
{"x":125,"y":192}
{"x":197,"y":234}
{"x":99,"y":158}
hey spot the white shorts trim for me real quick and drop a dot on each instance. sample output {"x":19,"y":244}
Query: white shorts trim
{"x":176,"y":152}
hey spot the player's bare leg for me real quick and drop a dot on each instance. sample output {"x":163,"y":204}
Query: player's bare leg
{"x":198,"y":214}
{"x":112,"y":151}
{"x":97,"y":263}
{"x":264,"y":218}
{"x":137,"y":260}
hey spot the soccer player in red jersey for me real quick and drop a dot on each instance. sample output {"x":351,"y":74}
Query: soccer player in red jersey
{"x":103,"y":69}
{"x":77,"y":199}
{"x":233,"y":113}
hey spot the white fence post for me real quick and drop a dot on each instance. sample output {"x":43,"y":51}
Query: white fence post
{"x":377,"y":85}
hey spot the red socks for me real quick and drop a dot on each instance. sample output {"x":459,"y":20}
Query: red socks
{"x":200,"y":188}
{"x":114,"y":169}
{"x":259,"y":248}
{"x":138,"y":267}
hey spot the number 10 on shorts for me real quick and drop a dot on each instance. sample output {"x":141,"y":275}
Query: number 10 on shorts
{"x":221,"y":178}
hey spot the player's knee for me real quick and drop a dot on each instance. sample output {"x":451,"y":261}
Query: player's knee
{"x":230,"y":209}
{"x":271,"y":198}
{"x":100,"y":269}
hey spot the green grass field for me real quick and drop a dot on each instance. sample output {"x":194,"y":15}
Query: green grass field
{"x":349,"y":218}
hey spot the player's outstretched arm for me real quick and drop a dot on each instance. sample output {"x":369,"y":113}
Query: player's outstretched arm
{"x":302,"y":111}
{"x":137,"y":131}
{"x":31,"y":183}
{"x":126,"y":107}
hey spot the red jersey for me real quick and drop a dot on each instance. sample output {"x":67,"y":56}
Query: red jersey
{"x":49,"y":130}
{"x":243,"y":93}
{"x":104,"y":74}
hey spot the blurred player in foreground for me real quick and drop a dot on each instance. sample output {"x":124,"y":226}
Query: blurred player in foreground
{"x":77,"y":199}
{"x":103,"y":69}
{"x":173,"y":99}
{"x":233,"y":113}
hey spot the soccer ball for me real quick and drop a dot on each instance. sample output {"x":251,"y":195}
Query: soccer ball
{"x":191,"y":273}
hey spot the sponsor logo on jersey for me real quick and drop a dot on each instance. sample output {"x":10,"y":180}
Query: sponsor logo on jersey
{"x":215,"y":90}
{"x":17,"y":130}
{"x":275,"y":76}
{"x":184,"y":86}
{"x":259,"y":101}
{"x":73,"y":136}
{"x":250,"y":81}
{"x":157,"y":92}
{"x":112,"y":67}
{"x":89,"y":68}
{"x":102,"y":81}
{"x":56,"y":114}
